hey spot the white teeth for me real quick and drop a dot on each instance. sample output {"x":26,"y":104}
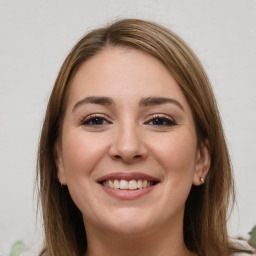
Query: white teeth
{"x":125,"y":184}
{"x":111,"y":183}
{"x":144,"y":183}
{"x":139,"y":183}
{"x":133,"y":184}
{"x":116,"y":184}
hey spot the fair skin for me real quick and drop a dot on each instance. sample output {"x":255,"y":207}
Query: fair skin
{"x":128,"y":120}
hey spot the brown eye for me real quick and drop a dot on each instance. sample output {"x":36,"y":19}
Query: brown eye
{"x":95,"y":120}
{"x":161,"y":121}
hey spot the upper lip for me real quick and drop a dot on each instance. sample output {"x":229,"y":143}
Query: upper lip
{"x":127,"y":176}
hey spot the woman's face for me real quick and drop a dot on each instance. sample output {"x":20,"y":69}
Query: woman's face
{"x":128,"y":151}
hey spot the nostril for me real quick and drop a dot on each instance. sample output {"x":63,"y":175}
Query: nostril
{"x":127,"y":158}
{"x":127,"y":152}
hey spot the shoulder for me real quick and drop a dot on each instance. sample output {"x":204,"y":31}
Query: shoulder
{"x":242,"y":245}
{"x":244,"y":254}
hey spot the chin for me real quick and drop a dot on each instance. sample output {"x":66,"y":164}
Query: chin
{"x":121,"y":221}
{"x":127,"y":229}
{"x":130,"y":222}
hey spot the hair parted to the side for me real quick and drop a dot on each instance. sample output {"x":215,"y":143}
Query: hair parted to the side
{"x":205,"y":220}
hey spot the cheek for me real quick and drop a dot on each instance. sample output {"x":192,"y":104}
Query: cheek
{"x":177,"y":155}
{"x":81,"y":156}
{"x":81,"y":153}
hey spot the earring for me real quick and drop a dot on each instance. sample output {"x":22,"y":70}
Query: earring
{"x":202,"y":180}
{"x":61,"y":185}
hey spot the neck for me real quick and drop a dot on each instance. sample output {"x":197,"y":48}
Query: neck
{"x":159,"y":242}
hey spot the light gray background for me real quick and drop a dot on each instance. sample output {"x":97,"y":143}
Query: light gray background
{"x":37,"y":35}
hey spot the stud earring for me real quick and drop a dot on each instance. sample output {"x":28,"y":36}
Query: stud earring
{"x":61,"y":185}
{"x":202,"y":180}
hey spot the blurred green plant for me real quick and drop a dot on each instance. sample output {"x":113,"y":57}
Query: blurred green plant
{"x":252,"y":240}
{"x":17,"y":248}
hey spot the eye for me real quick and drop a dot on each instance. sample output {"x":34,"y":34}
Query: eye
{"x":95,"y":120}
{"x":161,"y":120}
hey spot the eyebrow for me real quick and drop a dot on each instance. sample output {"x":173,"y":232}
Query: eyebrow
{"x":93,"y":100}
{"x":150,"y":101}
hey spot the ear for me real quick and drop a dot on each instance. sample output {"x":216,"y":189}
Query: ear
{"x":203,"y":161}
{"x":59,"y":164}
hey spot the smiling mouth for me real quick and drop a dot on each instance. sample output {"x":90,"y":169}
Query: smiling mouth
{"x":128,"y":184}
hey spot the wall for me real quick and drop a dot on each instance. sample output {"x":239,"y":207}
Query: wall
{"x":37,"y":35}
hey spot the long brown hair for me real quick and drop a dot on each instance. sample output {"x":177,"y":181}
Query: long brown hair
{"x":205,"y":219}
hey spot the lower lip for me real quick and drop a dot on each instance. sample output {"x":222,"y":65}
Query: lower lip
{"x":128,"y":194}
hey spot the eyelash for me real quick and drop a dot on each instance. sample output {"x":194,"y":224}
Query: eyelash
{"x":163,"y":119}
{"x":101,"y":119}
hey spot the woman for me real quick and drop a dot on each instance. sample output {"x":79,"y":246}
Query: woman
{"x":132,"y":157}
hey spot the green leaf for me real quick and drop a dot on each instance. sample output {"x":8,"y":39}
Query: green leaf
{"x":252,"y":240}
{"x":17,"y":248}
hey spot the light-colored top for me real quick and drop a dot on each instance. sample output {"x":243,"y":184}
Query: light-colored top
{"x":243,"y":245}
{"x":243,"y":254}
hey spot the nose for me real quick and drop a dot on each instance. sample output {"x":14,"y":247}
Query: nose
{"x":128,"y":145}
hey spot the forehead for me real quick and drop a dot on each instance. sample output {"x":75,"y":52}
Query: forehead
{"x":124,"y":73}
